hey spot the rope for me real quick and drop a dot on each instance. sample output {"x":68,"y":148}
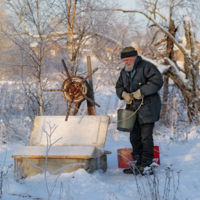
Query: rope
{"x":117,"y":120}
{"x":83,"y":113}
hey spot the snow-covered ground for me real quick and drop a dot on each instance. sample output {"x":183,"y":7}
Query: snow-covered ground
{"x":177,"y":177}
{"x":182,"y":158}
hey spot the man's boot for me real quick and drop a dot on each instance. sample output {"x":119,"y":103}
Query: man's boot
{"x":146,"y":162}
{"x":134,"y":168}
{"x":143,"y":171}
{"x":128,"y":170}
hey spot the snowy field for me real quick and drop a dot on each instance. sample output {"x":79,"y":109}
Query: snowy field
{"x":178,"y":176}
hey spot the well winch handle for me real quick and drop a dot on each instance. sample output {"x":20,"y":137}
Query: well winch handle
{"x":66,"y":70}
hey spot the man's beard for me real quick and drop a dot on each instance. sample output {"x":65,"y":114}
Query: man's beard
{"x":129,"y":68}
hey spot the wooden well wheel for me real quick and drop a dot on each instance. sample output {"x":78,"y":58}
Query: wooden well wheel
{"x":74,"y":90}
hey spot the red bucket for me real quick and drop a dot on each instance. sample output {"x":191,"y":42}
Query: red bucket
{"x":124,"y":156}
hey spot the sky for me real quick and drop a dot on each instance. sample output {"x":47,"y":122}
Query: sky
{"x":128,"y":4}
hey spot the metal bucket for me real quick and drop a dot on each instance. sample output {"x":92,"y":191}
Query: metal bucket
{"x":125,"y":120}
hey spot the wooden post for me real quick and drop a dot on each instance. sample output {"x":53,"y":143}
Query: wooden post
{"x":90,"y":106}
{"x":1,"y":134}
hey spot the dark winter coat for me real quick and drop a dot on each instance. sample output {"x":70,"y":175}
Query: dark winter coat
{"x":148,"y":79}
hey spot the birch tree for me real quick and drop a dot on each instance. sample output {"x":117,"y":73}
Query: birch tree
{"x":4,"y":42}
{"x":35,"y":23}
{"x":30,"y":21}
{"x":80,"y":25}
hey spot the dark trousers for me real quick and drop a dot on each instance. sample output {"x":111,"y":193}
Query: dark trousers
{"x":141,"y":138}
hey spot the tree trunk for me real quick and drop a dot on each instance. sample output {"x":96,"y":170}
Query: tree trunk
{"x":188,"y":93}
{"x":170,"y":54}
{"x":40,"y":95}
{"x":39,"y":79}
{"x":165,"y":94}
{"x":71,"y":33}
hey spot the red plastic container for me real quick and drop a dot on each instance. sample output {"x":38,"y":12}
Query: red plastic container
{"x":124,"y":156}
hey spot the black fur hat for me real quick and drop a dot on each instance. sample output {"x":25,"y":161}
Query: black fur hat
{"x":128,"y":52}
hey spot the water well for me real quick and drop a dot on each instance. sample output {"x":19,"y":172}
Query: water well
{"x":81,"y":140}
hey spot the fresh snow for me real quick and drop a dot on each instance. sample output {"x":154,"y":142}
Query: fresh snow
{"x":54,"y":150}
{"x":181,"y":158}
{"x":178,"y":156}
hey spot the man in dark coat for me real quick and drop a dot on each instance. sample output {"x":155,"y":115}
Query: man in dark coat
{"x":140,"y":80}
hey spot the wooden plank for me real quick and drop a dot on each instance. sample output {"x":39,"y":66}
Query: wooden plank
{"x":96,"y":153}
{"x":28,"y":170}
{"x":75,"y":151}
{"x":52,"y":156}
{"x":90,"y":106}
{"x":39,"y":135}
{"x":34,"y":134}
{"x":38,"y":152}
{"x":86,"y":128}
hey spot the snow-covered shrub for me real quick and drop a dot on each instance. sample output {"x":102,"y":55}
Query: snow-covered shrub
{"x":148,"y":186}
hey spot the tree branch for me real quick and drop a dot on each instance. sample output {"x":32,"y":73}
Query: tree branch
{"x":181,"y":47}
{"x":160,"y":41}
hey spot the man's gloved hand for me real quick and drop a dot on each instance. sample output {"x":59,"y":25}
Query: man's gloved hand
{"x":137,"y":94}
{"x":126,"y":96}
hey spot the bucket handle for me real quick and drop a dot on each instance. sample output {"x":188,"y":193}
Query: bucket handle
{"x":133,"y":113}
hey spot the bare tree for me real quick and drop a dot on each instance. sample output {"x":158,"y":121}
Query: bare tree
{"x":175,"y":10}
{"x":30,"y":22}
{"x":80,"y":25}
{"x":188,"y":85}
{"x":109,"y":43}
{"x":37,"y":23}
{"x":4,"y":43}
{"x":153,"y":9}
